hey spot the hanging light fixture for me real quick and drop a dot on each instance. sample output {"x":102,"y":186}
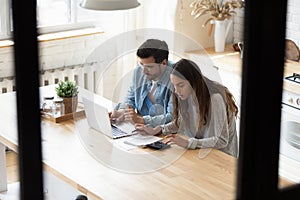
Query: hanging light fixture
{"x":109,"y":4}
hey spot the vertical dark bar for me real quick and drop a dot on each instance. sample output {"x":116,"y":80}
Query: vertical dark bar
{"x":263,"y":63}
{"x":27,"y":85}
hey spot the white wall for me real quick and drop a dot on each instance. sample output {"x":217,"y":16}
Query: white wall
{"x":186,"y":24}
{"x":56,"y":56}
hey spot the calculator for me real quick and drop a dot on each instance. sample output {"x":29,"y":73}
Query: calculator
{"x":158,"y":145}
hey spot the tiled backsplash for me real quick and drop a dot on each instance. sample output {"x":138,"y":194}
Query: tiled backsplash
{"x":292,"y":23}
{"x":238,"y":23}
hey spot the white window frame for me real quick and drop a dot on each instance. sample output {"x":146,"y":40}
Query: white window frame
{"x":6,"y":33}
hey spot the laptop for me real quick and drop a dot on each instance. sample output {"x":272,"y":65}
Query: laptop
{"x":98,"y":119}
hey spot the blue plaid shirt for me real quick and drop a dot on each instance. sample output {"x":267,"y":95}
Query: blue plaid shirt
{"x":136,"y":97}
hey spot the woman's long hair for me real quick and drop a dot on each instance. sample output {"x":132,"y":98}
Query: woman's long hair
{"x":203,"y":88}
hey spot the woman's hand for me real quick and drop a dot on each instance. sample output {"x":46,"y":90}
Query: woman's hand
{"x":177,"y":139}
{"x":145,"y":130}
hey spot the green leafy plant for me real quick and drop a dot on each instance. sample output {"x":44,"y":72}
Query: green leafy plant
{"x":66,"y":89}
{"x":218,"y":9}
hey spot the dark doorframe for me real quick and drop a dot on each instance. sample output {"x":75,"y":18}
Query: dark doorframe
{"x":263,"y":65}
{"x":27,"y":87}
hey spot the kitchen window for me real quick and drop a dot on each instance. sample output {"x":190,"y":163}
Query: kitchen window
{"x":52,"y":16}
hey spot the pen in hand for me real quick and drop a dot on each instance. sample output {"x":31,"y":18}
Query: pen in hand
{"x":135,"y":130}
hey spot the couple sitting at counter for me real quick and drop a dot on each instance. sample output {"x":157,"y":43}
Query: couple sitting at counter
{"x":176,"y":100}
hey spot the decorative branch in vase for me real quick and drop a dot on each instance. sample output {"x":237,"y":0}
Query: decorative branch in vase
{"x":220,"y":11}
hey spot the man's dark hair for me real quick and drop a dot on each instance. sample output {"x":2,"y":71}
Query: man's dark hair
{"x":81,"y":197}
{"x":153,"y":47}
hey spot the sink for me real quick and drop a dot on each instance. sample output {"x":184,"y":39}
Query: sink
{"x":291,"y":132}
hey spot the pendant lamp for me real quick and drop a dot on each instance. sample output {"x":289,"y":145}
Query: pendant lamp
{"x":109,"y":4}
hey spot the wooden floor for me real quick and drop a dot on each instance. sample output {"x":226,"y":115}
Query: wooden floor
{"x":13,"y":174}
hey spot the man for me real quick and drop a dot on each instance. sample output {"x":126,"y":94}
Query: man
{"x":148,"y":100}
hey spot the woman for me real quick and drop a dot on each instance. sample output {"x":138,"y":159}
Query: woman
{"x":204,"y":112}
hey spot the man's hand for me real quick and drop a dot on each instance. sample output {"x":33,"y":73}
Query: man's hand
{"x":117,"y":116}
{"x":131,"y":116}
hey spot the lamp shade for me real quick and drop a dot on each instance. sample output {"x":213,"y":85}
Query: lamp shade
{"x":109,"y":4}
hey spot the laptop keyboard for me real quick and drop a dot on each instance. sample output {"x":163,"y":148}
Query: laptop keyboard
{"x":117,"y":132}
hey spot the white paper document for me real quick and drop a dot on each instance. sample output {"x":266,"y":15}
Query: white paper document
{"x":141,"y":140}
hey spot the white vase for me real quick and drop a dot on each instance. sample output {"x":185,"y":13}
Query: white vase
{"x":222,"y":28}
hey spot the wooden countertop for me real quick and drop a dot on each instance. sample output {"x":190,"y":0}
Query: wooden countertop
{"x":230,"y":61}
{"x":190,"y":176}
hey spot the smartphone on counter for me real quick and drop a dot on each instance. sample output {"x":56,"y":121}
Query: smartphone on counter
{"x":158,"y":145}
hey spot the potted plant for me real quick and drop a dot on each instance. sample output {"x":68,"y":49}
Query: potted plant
{"x":220,"y":12}
{"x":68,"y":91}
{"x":218,"y":9}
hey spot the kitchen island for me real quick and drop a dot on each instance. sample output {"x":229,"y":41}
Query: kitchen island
{"x":191,"y":176}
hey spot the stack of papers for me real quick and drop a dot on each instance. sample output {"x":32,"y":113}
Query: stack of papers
{"x":141,"y":140}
